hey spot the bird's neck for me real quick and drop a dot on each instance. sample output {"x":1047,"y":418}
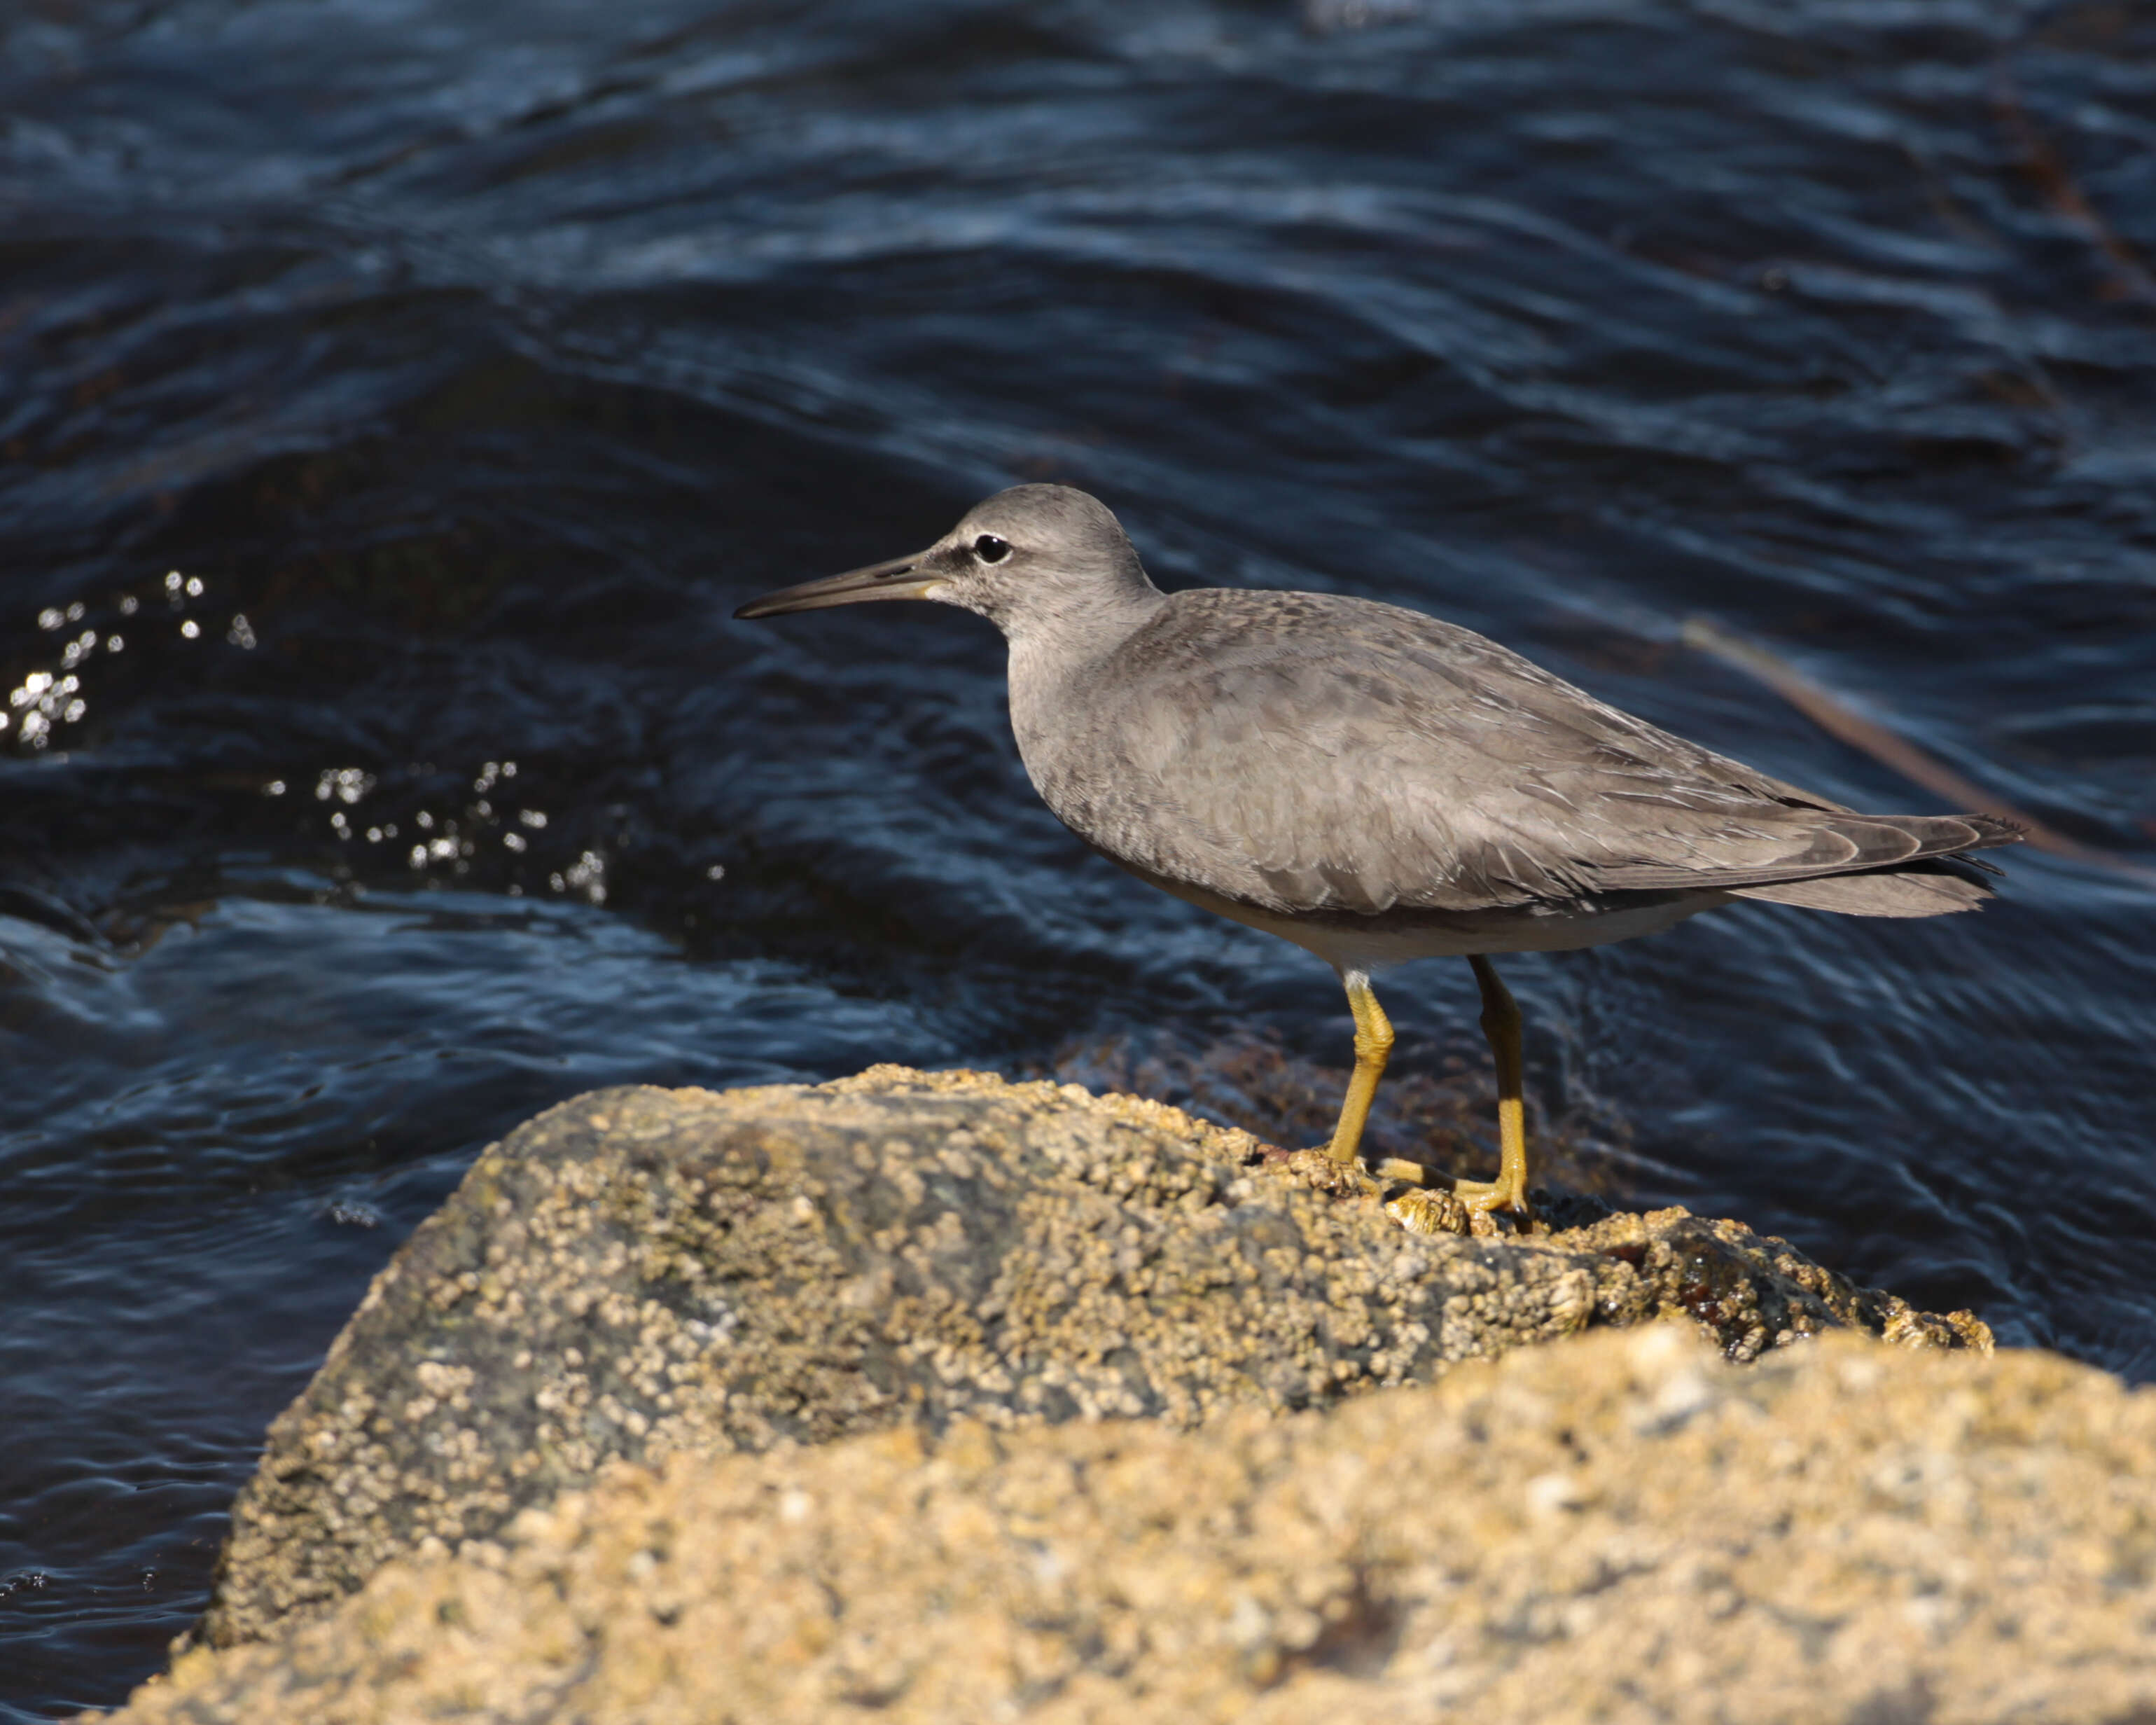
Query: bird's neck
{"x":1054,"y":638}
{"x":1060,"y":658}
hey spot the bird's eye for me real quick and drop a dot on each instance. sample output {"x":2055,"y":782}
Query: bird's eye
{"x":989,"y":549}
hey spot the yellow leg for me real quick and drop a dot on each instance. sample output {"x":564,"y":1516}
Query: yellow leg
{"x":1374,"y":1042}
{"x":1500,"y":1023}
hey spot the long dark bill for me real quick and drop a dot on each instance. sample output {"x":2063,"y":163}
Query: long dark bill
{"x":900,"y":578}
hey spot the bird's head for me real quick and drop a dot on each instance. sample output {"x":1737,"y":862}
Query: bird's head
{"x":1025,"y":556}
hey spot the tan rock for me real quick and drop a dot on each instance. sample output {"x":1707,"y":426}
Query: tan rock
{"x":1617,"y":1527}
{"x":639,"y":1273}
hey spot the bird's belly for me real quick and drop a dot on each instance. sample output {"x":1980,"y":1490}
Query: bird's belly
{"x":1350,"y":943}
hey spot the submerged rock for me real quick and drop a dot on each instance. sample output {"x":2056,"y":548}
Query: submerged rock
{"x":641,"y":1272}
{"x":1621,"y":1526}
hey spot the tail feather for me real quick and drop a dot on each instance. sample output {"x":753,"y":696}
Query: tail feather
{"x":1934,"y":887}
{"x":1902,"y":892}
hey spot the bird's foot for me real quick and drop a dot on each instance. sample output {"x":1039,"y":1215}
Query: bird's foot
{"x":1480,"y":1201}
{"x":1437,"y":1203}
{"x":1401,"y":1172}
{"x":1467,"y":1207}
{"x":1489,"y":1198}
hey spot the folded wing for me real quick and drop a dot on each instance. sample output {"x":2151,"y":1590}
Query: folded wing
{"x":1426,"y":767}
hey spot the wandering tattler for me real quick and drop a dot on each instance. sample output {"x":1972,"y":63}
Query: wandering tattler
{"x":1376,"y":785}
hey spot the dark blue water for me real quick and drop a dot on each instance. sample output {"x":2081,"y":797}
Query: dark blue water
{"x":481,"y":356}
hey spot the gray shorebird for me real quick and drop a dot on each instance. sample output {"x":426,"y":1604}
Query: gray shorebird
{"x":1376,"y":785}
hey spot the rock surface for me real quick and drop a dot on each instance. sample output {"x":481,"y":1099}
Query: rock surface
{"x":638,"y":1273}
{"x":1618,"y":1527}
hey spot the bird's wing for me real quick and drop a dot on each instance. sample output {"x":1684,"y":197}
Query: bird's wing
{"x":1310,"y":753}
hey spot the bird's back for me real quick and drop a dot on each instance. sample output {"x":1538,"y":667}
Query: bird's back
{"x":1306,"y":753}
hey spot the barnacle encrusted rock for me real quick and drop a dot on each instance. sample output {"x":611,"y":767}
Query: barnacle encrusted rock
{"x":640,"y":1272}
{"x":1618,"y":1528}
